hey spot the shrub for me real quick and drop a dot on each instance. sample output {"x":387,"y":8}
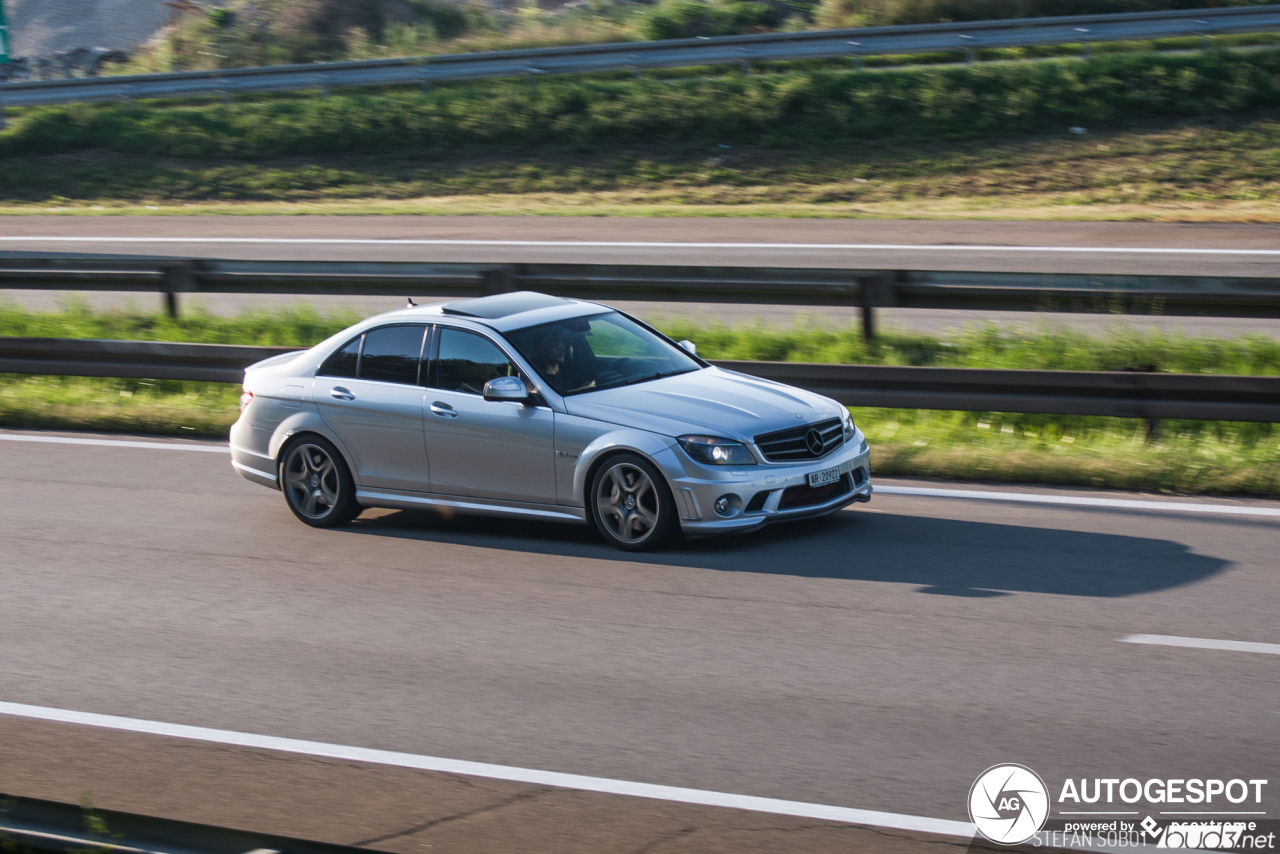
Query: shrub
{"x":686,"y":19}
{"x":809,"y":107}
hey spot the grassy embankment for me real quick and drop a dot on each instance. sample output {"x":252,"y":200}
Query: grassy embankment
{"x":1193,"y":136}
{"x":239,"y":33}
{"x":1185,"y":456}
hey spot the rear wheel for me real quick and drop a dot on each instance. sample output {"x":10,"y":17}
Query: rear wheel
{"x":317,"y":483}
{"x":631,"y":504}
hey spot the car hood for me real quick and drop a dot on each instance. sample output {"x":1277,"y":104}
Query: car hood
{"x":711,"y":401}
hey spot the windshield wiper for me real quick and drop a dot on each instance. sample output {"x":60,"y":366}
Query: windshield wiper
{"x":659,"y":375}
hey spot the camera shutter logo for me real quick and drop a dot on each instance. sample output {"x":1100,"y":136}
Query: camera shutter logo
{"x":1009,"y":804}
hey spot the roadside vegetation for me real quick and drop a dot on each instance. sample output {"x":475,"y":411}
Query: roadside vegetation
{"x":1193,"y":136}
{"x":1179,"y":456}
{"x":269,"y":32}
{"x":1222,"y":169}
{"x":824,"y":110}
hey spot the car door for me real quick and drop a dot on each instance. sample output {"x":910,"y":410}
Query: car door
{"x":480,"y":448}
{"x":370,"y":395}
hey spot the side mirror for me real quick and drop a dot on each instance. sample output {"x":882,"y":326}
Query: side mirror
{"x":511,"y":389}
{"x":689,"y":346}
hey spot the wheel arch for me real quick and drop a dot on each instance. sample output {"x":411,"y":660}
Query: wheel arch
{"x":654,"y":448}
{"x":302,"y":423}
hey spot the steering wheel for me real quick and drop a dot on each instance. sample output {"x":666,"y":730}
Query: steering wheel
{"x":616,"y":366}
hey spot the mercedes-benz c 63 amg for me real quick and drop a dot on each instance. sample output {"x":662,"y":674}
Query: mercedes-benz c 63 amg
{"x":529,"y":406}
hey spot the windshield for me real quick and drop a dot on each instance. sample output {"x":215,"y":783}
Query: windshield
{"x":593,"y":353}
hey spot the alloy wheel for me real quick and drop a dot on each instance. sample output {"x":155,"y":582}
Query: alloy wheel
{"x":628,"y":503}
{"x":311,"y":480}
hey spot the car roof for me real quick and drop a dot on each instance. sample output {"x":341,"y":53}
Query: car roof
{"x":498,"y":306}
{"x":504,"y":312}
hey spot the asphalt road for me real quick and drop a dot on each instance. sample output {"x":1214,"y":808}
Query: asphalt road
{"x":879,"y":659}
{"x":904,"y":244}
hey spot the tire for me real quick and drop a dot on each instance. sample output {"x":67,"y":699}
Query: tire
{"x":631,"y":504}
{"x":316,"y":483}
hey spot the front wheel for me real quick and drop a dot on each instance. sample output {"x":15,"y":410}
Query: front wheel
{"x":317,"y":483}
{"x":631,"y":504}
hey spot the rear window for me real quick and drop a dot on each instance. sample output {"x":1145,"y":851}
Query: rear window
{"x":344,"y":362}
{"x":391,"y":354}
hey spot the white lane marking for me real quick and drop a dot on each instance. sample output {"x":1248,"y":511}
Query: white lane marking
{"x":1079,"y":501}
{"x":116,"y":443}
{"x":638,"y":244}
{"x":1204,"y":643}
{"x":1027,"y":497}
{"x":874,"y":818}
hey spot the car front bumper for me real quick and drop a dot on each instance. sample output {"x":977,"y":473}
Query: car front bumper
{"x":784,"y":487}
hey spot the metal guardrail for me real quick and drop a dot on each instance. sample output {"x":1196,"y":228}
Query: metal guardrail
{"x":1221,"y":296}
{"x":635,"y":56}
{"x":42,"y":825}
{"x":154,"y":360}
{"x":1120,"y":394}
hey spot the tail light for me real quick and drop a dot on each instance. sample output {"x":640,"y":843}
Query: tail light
{"x":246,"y":398}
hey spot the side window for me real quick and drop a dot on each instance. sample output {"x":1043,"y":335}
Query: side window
{"x":391,"y":354}
{"x":467,"y":361}
{"x":344,"y":362}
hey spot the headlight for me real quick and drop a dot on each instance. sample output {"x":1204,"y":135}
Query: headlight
{"x":715,"y":451}
{"x":849,"y":427}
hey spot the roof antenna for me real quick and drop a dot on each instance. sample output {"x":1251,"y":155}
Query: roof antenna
{"x":411,"y":304}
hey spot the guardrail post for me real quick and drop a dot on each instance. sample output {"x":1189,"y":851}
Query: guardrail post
{"x":857,"y":56}
{"x":499,"y":280}
{"x":874,"y":290}
{"x":178,"y":278}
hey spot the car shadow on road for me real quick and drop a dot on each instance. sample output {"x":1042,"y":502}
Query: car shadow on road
{"x":942,"y":556}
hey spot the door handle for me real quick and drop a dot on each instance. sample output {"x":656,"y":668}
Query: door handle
{"x":444,"y":410}
{"x":341,"y":393}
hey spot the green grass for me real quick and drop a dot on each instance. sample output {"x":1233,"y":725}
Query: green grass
{"x":1189,"y":457}
{"x":1182,"y":456}
{"x":987,"y":347}
{"x":822,"y":108}
{"x":1195,"y":137}
{"x":813,"y":340}
{"x":163,"y":407}
{"x":1224,"y":168}
{"x":240,"y":33}
{"x":289,"y":327}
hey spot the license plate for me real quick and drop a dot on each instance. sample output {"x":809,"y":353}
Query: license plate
{"x":822,"y":478}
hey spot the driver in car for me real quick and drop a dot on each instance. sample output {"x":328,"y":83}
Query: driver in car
{"x":552,"y":345}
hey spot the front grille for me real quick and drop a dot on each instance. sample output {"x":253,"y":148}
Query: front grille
{"x":756,"y":504}
{"x":791,"y":445}
{"x":808,"y":496}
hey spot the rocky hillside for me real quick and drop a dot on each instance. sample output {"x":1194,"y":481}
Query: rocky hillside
{"x":45,"y":27}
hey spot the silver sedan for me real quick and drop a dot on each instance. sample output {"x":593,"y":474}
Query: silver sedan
{"x":529,"y":406}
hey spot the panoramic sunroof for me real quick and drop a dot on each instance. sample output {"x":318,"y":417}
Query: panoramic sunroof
{"x":502,"y":305}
